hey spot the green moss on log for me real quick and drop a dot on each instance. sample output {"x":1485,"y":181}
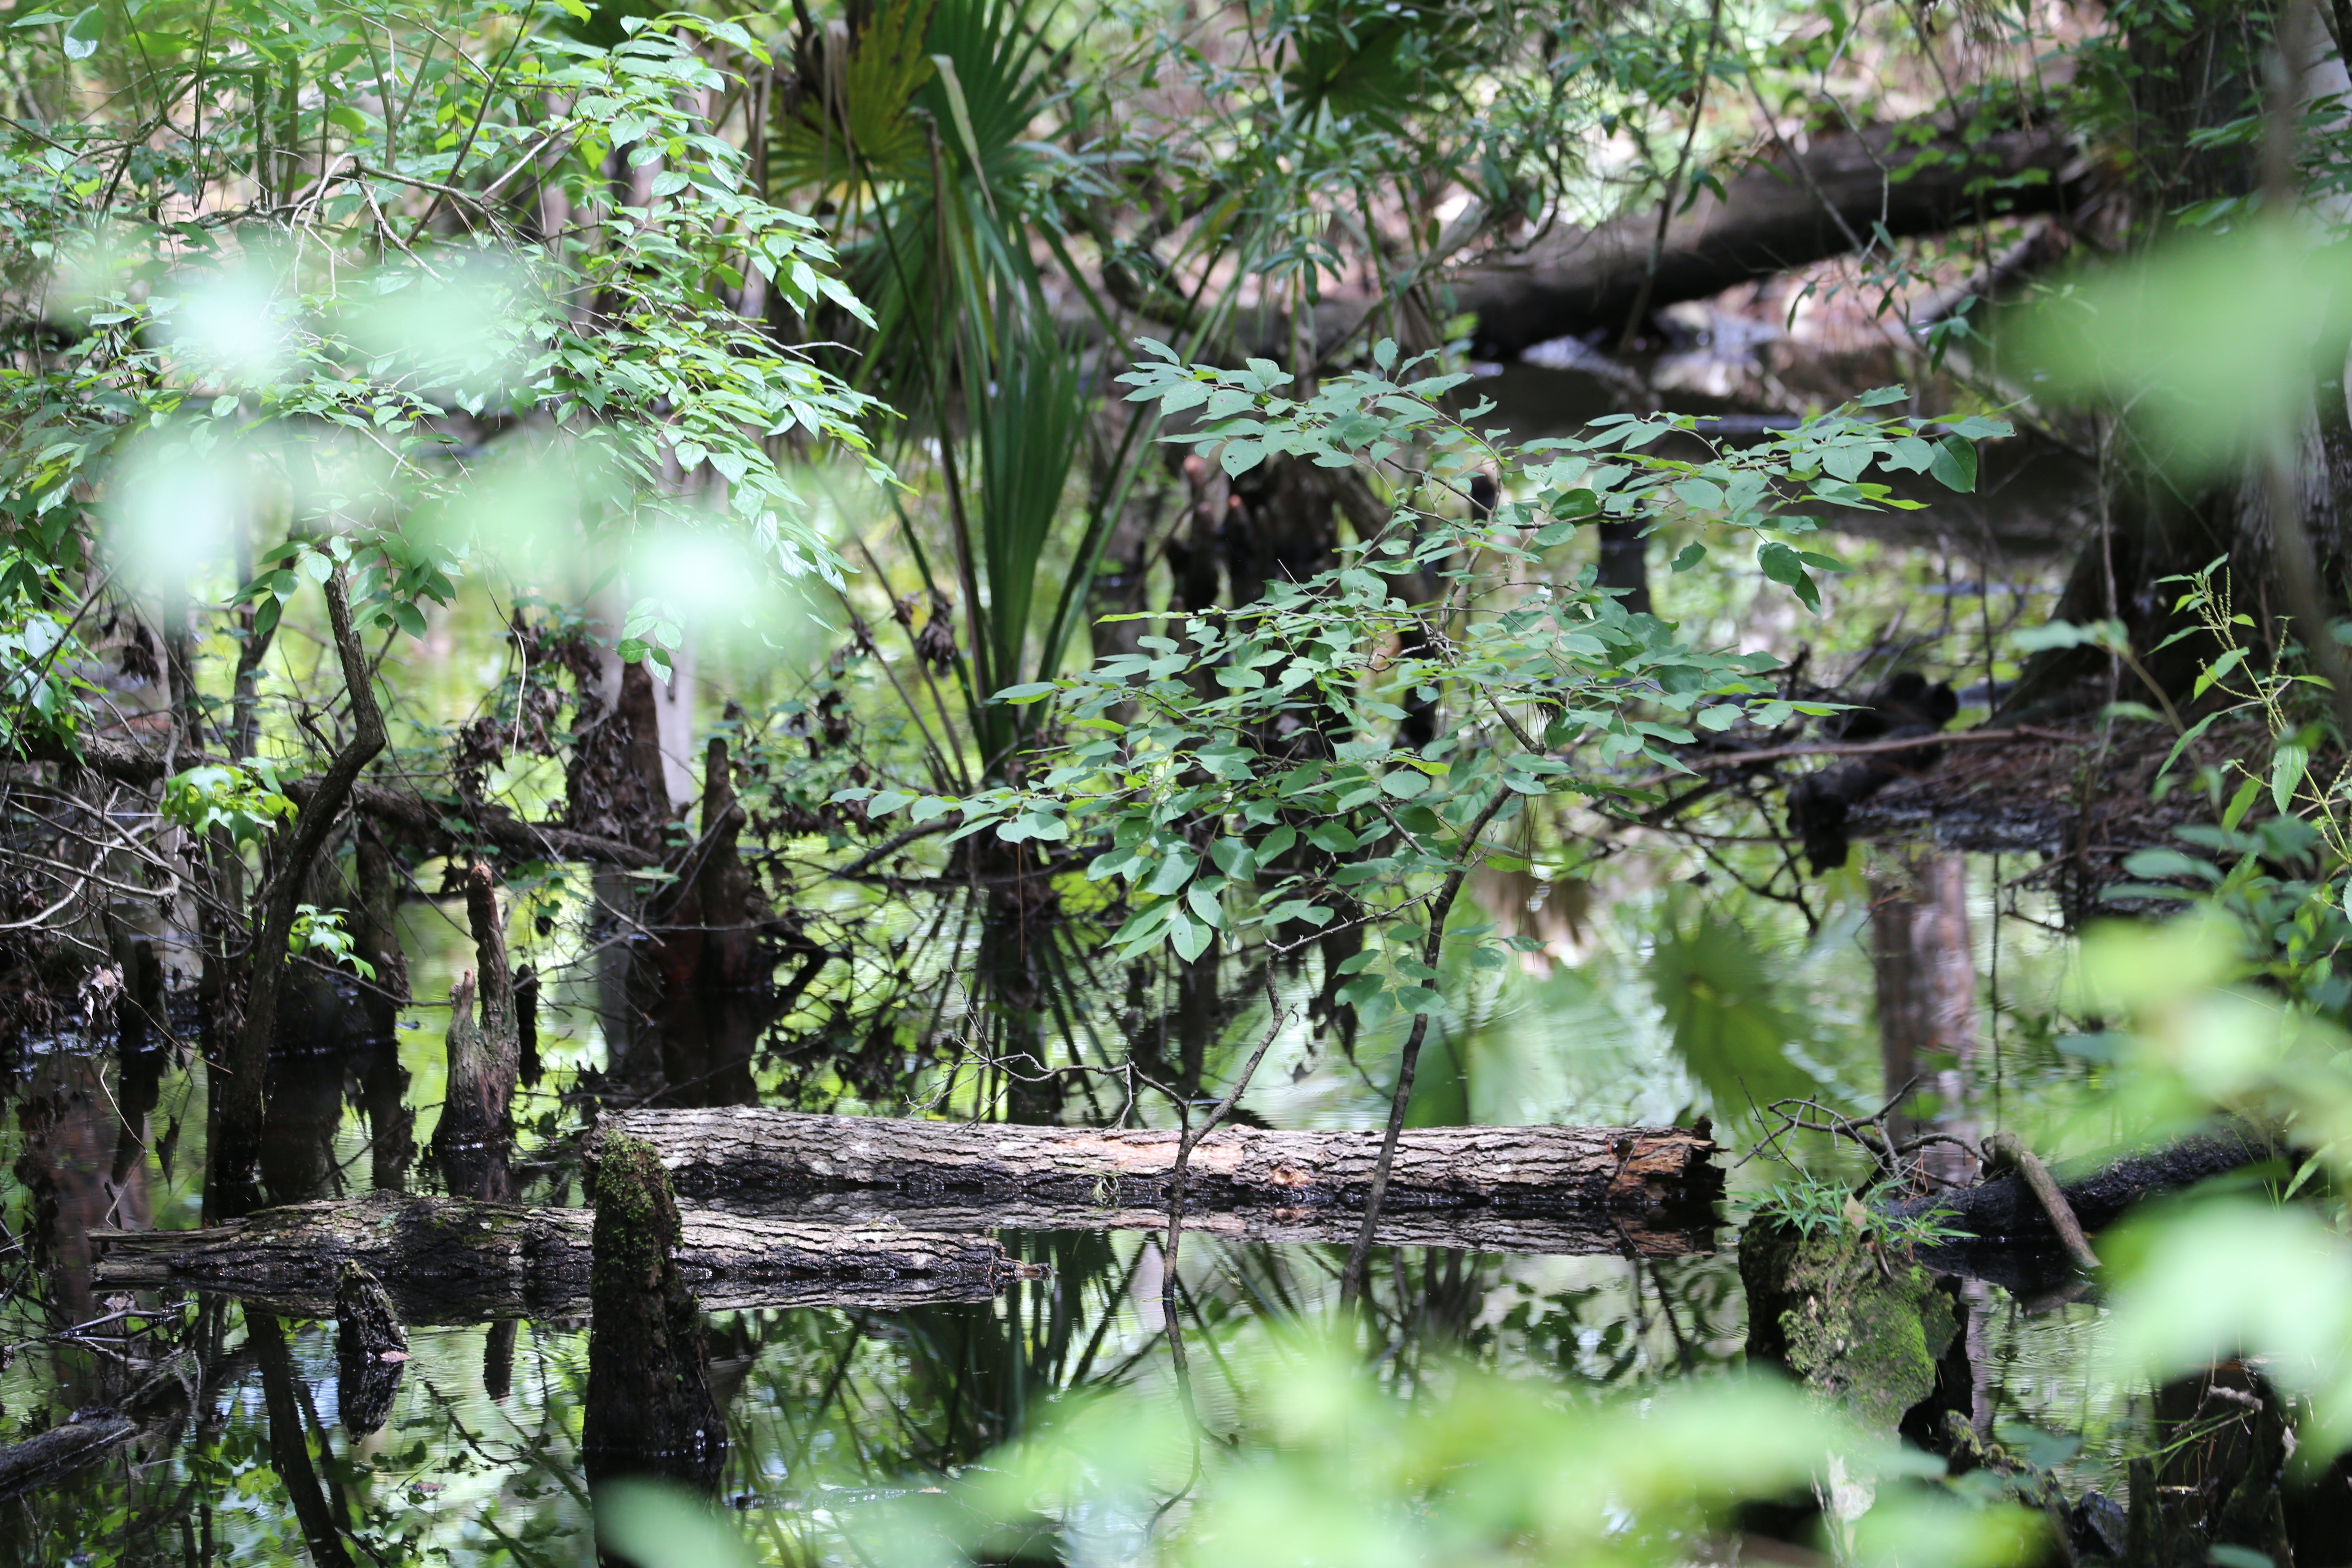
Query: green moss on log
{"x":1862,"y":1325}
{"x":636,"y":1217}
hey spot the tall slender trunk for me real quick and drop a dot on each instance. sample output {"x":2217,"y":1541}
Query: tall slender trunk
{"x":1927,"y":979}
{"x":240,"y":1094}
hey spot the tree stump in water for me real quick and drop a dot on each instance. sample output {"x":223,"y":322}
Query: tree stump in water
{"x":471,"y":1142}
{"x":371,"y":1349}
{"x":649,"y":1404}
{"x":1862,"y":1324}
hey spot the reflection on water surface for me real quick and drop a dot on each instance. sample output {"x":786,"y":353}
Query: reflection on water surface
{"x":255,"y":1441}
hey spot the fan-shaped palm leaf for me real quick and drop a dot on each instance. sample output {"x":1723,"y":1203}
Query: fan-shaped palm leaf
{"x":855,"y":129}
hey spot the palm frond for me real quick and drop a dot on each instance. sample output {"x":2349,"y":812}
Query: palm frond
{"x":855,"y":130}
{"x":1027,"y":430}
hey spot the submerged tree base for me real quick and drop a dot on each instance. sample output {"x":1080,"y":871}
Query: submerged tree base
{"x":1862,"y":1324}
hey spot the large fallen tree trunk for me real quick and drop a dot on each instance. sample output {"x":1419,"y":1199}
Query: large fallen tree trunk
{"x":1582,"y":1233}
{"x":456,"y":1260}
{"x":1640,"y":1171}
{"x":1782,"y":211}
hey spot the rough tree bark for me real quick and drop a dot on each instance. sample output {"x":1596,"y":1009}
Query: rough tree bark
{"x":453,"y":1260}
{"x":375,"y":923}
{"x":706,"y":934}
{"x":471,"y":1142}
{"x":1524,"y":1170}
{"x":613,"y":786}
{"x":53,"y":1455}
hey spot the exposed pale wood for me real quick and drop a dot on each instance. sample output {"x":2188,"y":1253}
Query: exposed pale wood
{"x":742,"y":1151}
{"x":455,"y":1260}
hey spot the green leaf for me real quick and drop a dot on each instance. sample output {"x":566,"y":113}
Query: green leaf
{"x":2218,"y":671}
{"x":1032,"y":691}
{"x":1332,"y":837}
{"x":1783,"y":565}
{"x":1172,"y":872}
{"x":1187,"y":936}
{"x":2288,"y":764}
{"x":1954,"y":464}
{"x":2240,"y":803}
{"x":83,"y":35}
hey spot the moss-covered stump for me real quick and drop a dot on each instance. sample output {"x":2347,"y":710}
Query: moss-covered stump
{"x":371,"y":1349}
{"x":649,"y":1404}
{"x":1862,"y":1325}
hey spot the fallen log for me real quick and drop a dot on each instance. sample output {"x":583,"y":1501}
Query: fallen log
{"x":741,"y":1150}
{"x":46,"y":1457}
{"x":1784,"y":210}
{"x":2099,"y":1190}
{"x":456,"y":1260}
{"x":1578,"y":1235}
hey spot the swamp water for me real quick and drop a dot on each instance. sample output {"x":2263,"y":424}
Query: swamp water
{"x":253,"y":1446}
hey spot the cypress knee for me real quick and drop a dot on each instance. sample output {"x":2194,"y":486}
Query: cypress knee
{"x":649,"y":1405}
{"x":472,"y":1141}
{"x":371,"y":1348}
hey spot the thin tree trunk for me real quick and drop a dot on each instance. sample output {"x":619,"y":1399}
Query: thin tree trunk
{"x":236,"y":1146}
{"x":1926,"y":971}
